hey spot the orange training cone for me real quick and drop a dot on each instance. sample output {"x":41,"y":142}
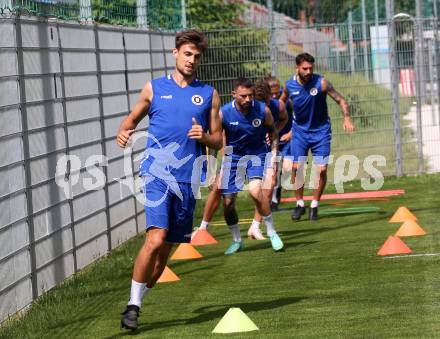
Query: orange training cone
{"x":202,"y":238}
{"x":168,"y":276}
{"x":393,"y":245}
{"x":186,"y":251}
{"x":410,"y":228}
{"x":402,"y":214}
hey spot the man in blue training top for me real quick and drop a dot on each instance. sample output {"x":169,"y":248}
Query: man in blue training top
{"x":311,"y":126}
{"x":245,"y":122}
{"x":285,"y":135}
{"x":279,"y":114}
{"x":171,"y":151}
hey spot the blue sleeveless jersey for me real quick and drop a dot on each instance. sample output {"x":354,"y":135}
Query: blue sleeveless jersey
{"x":309,"y":105}
{"x":169,"y":149}
{"x":245,"y":132}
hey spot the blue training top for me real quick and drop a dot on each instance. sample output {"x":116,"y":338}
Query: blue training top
{"x":245,"y":132}
{"x":309,"y":105}
{"x":169,"y":150}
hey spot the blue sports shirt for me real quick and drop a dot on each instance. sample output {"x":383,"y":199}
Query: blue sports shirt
{"x":169,"y":149}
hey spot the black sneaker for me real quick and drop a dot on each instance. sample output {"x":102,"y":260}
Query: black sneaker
{"x":298,"y":212}
{"x":130,"y":317}
{"x":273,"y":206}
{"x":313,"y":213}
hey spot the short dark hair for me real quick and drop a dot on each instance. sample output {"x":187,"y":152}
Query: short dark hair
{"x":262,"y":88}
{"x":304,"y":57}
{"x":272,"y":80}
{"x":192,"y":36}
{"x":242,"y":82}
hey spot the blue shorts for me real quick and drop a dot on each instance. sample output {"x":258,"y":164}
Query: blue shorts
{"x":235,"y":169}
{"x":171,"y":207}
{"x":318,"y":142}
{"x":285,"y":149}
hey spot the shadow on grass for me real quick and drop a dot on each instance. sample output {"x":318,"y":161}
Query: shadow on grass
{"x":339,"y":214}
{"x":212,"y":312}
{"x":207,"y":267}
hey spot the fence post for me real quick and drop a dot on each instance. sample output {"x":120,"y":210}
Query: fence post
{"x":26,"y":156}
{"x":394,"y":85}
{"x":127,"y":92}
{"x":272,"y":42}
{"x":436,"y":58}
{"x":85,"y":10}
{"x":141,"y":13}
{"x":66,"y":140}
{"x":338,"y":57}
{"x":183,"y":8}
{"x":103,"y":146}
{"x":420,"y":83}
{"x":350,"y":41}
{"x":364,"y":41}
{"x":431,"y":82}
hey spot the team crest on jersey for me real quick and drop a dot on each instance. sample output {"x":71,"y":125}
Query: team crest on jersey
{"x":197,"y":100}
{"x":256,"y":122}
{"x":313,"y":91}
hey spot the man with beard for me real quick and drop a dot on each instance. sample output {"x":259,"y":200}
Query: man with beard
{"x":245,"y":122}
{"x":178,"y":97}
{"x":311,"y":129}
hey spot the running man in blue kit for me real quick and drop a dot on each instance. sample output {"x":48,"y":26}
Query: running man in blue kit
{"x":311,"y":129}
{"x":285,"y":135}
{"x":184,"y":119}
{"x":245,"y":123}
{"x":279,"y":114}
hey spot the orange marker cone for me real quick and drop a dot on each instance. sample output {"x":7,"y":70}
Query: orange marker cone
{"x":202,"y":238}
{"x":186,"y":251}
{"x":168,"y":276}
{"x":393,"y":245}
{"x":402,"y":214}
{"x":410,"y":228}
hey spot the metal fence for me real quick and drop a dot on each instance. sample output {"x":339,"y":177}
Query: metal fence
{"x":159,"y":14}
{"x":65,"y":88}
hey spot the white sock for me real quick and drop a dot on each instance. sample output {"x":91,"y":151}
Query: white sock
{"x":314,"y":203}
{"x":235,"y":231}
{"x":300,"y":203}
{"x":274,"y":196}
{"x":138,"y":290}
{"x":204,"y":225}
{"x":255,"y":224}
{"x":270,"y":228}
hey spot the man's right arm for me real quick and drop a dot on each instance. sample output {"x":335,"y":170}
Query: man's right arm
{"x":139,"y":111}
{"x":285,"y":96}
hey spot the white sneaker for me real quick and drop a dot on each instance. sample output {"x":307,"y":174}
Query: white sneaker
{"x":255,"y":233}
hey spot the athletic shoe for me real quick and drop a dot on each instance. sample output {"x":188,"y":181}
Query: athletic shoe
{"x":130,"y":317}
{"x":313,"y":213}
{"x":255,"y":233}
{"x":235,"y":247}
{"x":273,"y":206}
{"x":298,"y":212}
{"x":276,"y":242}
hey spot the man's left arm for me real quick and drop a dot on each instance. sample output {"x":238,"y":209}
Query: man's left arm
{"x":340,"y":100}
{"x":213,"y":139}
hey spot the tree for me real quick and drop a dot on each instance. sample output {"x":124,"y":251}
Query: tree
{"x":214,"y":14}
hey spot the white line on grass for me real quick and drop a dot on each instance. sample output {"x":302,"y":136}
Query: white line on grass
{"x":413,"y":255}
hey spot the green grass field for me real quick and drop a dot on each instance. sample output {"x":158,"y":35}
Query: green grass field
{"x":328,"y":283}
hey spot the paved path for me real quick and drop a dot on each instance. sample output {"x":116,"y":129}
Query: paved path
{"x":430,"y":135}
